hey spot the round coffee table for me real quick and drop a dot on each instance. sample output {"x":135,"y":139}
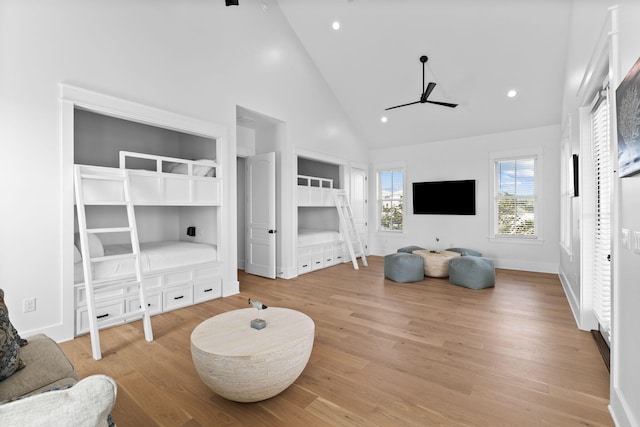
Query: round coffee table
{"x":248,"y":365}
{"x":436,"y":263}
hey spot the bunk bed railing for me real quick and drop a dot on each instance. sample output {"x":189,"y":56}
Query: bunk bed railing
{"x":309,"y":181}
{"x":315,"y":191}
{"x":162,"y":163}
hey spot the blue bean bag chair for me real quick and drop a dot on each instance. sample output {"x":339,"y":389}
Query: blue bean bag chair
{"x":472,"y":272}
{"x":404,"y":267}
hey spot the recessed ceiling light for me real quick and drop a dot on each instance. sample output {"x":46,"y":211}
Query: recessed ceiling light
{"x":335,"y":25}
{"x":383,"y":119}
{"x":512,"y":93}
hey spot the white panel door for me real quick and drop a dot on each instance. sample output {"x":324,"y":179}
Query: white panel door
{"x":260,"y":213}
{"x":359,"y":192}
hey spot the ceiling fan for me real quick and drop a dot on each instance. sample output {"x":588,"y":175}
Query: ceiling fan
{"x":425,"y":92}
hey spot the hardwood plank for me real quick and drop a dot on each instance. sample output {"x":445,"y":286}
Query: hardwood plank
{"x":385,"y":353}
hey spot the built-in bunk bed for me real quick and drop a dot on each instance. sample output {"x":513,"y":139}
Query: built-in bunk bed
{"x":320,"y":243}
{"x":176,"y":208}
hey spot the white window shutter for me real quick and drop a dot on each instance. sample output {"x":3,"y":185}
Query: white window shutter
{"x":602,"y":231}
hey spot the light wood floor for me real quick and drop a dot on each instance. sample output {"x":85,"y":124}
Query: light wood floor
{"x":386,"y":354}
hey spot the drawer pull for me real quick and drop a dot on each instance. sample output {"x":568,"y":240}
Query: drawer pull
{"x":208,"y":290}
{"x":328,"y":259}
{"x":180,"y":297}
{"x":148,"y":305}
{"x":305,"y":265}
{"x":102,"y":316}
{"x":317,"y":262}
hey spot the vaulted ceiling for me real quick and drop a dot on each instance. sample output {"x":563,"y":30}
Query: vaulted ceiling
{"x":478,"y":50}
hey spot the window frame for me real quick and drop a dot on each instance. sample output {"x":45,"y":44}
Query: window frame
{"x":494,"y":159}
{"x":379,"y":200}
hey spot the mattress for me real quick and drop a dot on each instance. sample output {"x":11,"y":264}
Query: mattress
{"x":154,"y":256}
{"x":314,"y":237}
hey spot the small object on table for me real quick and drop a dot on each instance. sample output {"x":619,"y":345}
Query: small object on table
{"x":258,"y":323}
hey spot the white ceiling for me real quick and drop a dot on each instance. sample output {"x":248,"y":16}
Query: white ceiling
{"x":477,"y":49}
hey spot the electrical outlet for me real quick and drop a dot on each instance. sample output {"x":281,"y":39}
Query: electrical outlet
{"x":29,"y":305}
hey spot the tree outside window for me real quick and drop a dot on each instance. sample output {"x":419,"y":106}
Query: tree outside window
{"x":516,"y":198}
{"x":391,"y":200}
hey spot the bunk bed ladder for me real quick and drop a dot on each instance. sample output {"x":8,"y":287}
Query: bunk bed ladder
{"x":352,"y":239}
{"x":93,"y":288}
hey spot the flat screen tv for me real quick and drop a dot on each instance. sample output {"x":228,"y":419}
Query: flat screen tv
{"x":445,"y":197}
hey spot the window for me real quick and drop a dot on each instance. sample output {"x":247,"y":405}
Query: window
{"x":516,"y":206}
{"x":391,"y":200}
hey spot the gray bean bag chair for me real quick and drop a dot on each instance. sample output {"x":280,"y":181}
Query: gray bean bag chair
{"x":404,"y":267}
{"x":472,"y":272}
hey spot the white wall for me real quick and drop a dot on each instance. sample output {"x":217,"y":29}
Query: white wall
{"x":468,"y":158}
{"x":197,"y":58}
{"x":588,"y":19}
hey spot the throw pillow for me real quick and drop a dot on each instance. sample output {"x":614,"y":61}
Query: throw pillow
{"x":88,"y":403}
{"x":9,"y":343}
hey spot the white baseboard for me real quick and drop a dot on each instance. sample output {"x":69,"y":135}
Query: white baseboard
{"x":574,"y":304}
{"x":508,"y":264}
{"x":230,"y":288}
{"x":524,"y":265}
{"x":619,"y":410}
{"x":287,"y":273}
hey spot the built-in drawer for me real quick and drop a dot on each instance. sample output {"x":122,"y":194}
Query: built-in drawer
{"x":179,"y":297}
{"x":317,"y":261}
{"x":304,"y":264}
{"x":154,"y":302}
{"x":208,"y":289}
{"x":338,"y":253}
{"x":327,"y":255}
{"x":103,"y":313}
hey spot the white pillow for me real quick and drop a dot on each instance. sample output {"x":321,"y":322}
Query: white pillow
{"x":88,"y":403}
{"x":76,"y":255}
{"x":95,"y":245}
{"x":198,"y":170}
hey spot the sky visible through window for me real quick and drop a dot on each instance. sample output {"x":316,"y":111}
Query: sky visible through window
{"x":391,"y":184}
{"x":516,"y":177}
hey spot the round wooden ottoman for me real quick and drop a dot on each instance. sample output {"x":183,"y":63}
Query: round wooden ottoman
{"x":436,"y":263}
{"x":248,"y":365}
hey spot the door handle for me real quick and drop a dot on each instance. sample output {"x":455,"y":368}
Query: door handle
{"x":272,"y":231}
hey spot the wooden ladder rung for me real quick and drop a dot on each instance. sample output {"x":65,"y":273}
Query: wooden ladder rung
{"x":106,"y":203}
{"x":109,"y":230}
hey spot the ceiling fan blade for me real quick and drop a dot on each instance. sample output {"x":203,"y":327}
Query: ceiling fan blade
{"x":446,"y":104}
{"x":427,"y":91}
{"x":403,"y":105}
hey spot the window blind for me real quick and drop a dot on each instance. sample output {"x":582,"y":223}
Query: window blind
{"x":602,"y":232}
